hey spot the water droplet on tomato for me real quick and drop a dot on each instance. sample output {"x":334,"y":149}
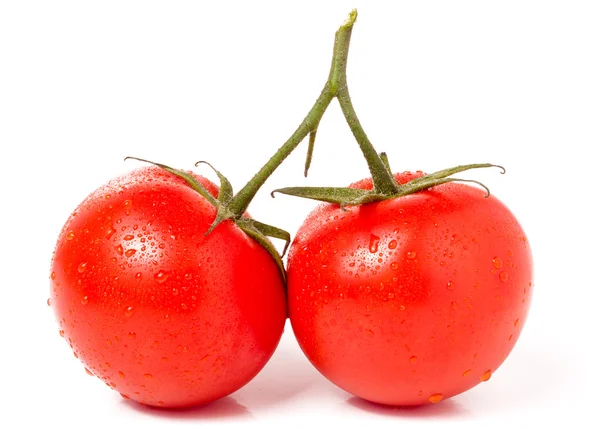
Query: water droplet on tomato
{"x":450,"y":285}
{"x":374,"y":243}
{"x":84,"y":300}
{"x":393,"y":244}
{"x":161,"y":276}
{"x":413,"y":359}
{"x":70,"y":235}
{"x":49,"y":302}
{"x":130,"y":252}
{"x":128,"y":237}
{"x":175,"y":291}
{"x":124,"y":396}
{"x":109,"y":232}
{"x":119,"y":249}
{"x":454,"y":305}
{"x":52,"y":275}
{"x":132,"y":335}
{"x":81,"y":268}
{"x":411,"y":254}
{"x":394,"y":266}
{"x":497,"y":262}
{"x":369,"y":332}
{"x":434,"y":399}
{"x":61,"y":333}
{"x":148,"y":376}
{"x":129,"y":311}
{"x":503,"y":276}
{"x":88,"y":372}
{"x":486,"y":375}
{"x":138,"y":276}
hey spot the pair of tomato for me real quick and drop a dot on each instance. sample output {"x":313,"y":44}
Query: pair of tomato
{"x":403,"y":302}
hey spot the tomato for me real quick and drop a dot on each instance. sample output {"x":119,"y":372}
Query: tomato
{"x":159,"y":311}
{"x":413,"y":299}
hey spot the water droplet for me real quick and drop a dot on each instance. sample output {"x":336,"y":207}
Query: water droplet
{"x":121,"y":375}
{"x":454,"y":305}
{"x":88,"y":372}
{"x":109,"y":232}
{"x":175,"y":291}
{"x":52,"y":275}
{"x":124,"y":396}
{"x":138,"y":277}
{"x":84,"y":300}
{"x":374,"y":243}
{"x":127,"y":203}
{"x":411,"y":254}
{"x":61,"y":333}
{"x":128,"y":237}
{"x":132,"y":335}
{"x":517,"y":322}
{"x":466,"y":373}
{"x":402,"y":308}
{"x":510,"y":338}
{"x":129,"y":312}
{"x":434,"y":399}
{"x":503,"y":276}
{"x":486,"y":375}
{"x":49,"y":302}
{"x":70,"y":235}
{"x":497,"y":262}
{"x":393,"y":244}
{"x":119,"y":249}
{"x":413,"y":359}
{"x":81,"y":268}
{"x":148,"y":376}
{"x":161,"y":276}
{"x":130,"y":252}
{"x":394,"y":266}
{"x":368,"y":331}
{"x":450,"y":285}
{"x":183,"y":306}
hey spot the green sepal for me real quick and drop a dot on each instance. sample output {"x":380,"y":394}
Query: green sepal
{"x":225,"y":188}
{"x":342,"y":196}
{"x":450,"y":171}
{"x":250,"y":228}
{"x":273,"y":231}
{"x":411,"y":188}
{"x":386,"y":162}
{"x":191,"y":180}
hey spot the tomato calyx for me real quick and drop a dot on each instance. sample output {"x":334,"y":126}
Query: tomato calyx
{"x":353,"y":197}
{"x":256,"y":230}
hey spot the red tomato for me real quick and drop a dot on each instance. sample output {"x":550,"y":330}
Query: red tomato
{"x":413,"y":299}
{"x":157,"y":310}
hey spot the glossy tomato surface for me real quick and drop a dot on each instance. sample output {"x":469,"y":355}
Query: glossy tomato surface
{"x":410,"y":300}
{"x":157,"y":310}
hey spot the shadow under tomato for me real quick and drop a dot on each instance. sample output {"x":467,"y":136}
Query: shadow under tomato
{"x":225,"y":408}
{"x":287,"y":374}
{"x":445,"y":409}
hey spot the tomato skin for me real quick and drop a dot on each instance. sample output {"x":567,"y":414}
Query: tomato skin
{"x":410,"y":300}
{"x":157,"y":310}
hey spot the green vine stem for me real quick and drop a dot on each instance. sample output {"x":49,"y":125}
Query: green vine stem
{"x":336,"y":86}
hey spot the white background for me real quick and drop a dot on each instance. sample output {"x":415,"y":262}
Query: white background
{"x":436,"y":84}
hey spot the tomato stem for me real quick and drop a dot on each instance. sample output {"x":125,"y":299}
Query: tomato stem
{"x":336,"y":86}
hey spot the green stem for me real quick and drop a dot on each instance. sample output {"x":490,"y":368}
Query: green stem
{"x":337,"y":74}
{"x":383,"y":181}
{"x":242,"y":199}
